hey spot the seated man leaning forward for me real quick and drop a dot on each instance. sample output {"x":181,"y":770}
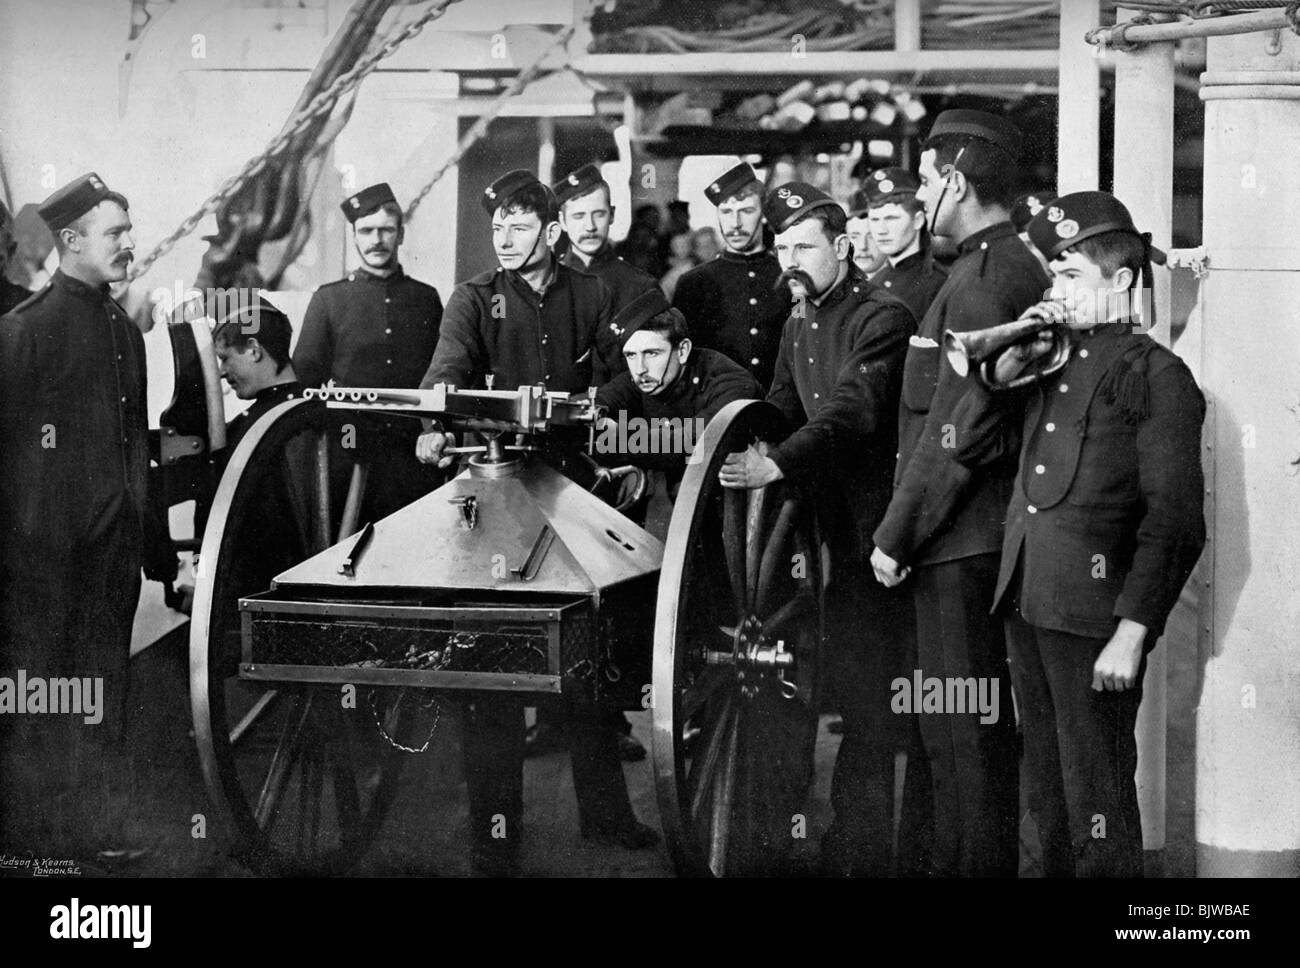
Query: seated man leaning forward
{"x":658,"y":407}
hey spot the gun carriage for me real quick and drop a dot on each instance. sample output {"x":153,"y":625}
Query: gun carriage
{"x":325,"y":648}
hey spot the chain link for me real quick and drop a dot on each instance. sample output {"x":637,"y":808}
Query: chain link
{"x":479,"y":128}
{"x":432,"y":703}
{"x":321,"y":104}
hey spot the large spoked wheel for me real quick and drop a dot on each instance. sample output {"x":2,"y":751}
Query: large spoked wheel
{"x":738,"y":641}
{"x":300,"y":778}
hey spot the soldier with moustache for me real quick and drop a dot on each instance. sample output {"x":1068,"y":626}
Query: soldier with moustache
{"x":837,"y":383}
{"x":586,"y":214}
{"x":533,"y":320}
{"x":897,"y":222}
{"x":943,"y":527}
{"x":376,"y":327}
{"x":74,"y":455}
{"x":732,"y":304}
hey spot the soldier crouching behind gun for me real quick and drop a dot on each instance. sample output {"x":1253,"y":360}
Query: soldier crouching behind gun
{"x":531,"y":321}
{"x":1104,"y":526}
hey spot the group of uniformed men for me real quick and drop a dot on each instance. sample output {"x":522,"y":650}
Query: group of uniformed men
{"x":965,"y":524}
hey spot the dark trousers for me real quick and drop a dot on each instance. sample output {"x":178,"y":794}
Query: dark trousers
{"x":871,"y":643}
{"x":494,"y":776}
{"x":973,"y":764}
{"x":1080,"y":754}
{"x":66,"y":781}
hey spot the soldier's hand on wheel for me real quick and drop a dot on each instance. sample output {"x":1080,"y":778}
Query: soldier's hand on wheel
{"x":749,"y":469}
{"x":429,"y":448}
{"x":888,"y":571}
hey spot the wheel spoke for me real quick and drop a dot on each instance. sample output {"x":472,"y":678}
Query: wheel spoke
{"x":287,"y":752}
{"x":756,"y":508}
{"x":352,"y":503}
{"x":264,"y":704}
{"x":773,"y":556}
{"x":804,"y":603}
{"x":712,"y":737}
{"x":322,"y":531}
{"x":706,"y":685}
{"x":723,"y":791}
{"x":734,"y":508}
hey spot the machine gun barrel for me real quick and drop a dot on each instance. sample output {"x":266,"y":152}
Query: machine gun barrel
{"x":527,"y":410}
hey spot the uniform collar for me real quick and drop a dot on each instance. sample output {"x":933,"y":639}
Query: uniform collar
{"x":361,"y":275}
{"x":916,"y":258}
{"x":603,"y":255}
{"x":759,"y":256}
{"x":75,"y":287}
{"x":853,"y":278}
{"x":993,"y":232}
{"x":684,"y":382}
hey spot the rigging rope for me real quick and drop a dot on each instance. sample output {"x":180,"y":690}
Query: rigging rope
{"x":321,"y":104}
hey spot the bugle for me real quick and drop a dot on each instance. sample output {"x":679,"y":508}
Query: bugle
{"x":982,"y":348}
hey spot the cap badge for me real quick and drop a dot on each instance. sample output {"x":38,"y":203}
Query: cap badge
{"x":1035,"y":206}
{"x":886,"y":186}
{"x":1054,"y":214}
{"x":1068,"y":229}
{"x":794,"y":201}
{"x":354,"y":202}
{"x":714,"y":187}
{"x":490,"y":192}
{"x":95,"y":183}
{"x":573,"y":180}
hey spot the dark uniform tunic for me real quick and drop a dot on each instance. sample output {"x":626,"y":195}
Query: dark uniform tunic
{"x":74,"y":456}
{"x":837,"y":381}
{"x":265,"y":401}
{"x":11,"y":294}
{"x":731,"y":306}
{"x":367,"y":331}
{"x":1105,"y":523}
{"x":916,"y":280}
{"x":625,"y":282}
{"x":497,"y":323}
{"x":364,"y":331}
{"x":946,"y":520}
{"x":707,"y":382}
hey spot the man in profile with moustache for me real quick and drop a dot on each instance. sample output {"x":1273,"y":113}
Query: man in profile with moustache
{"x":837,"y":384}
{"x":74,"y":455}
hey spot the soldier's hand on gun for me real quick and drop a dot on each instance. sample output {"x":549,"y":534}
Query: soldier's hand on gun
{"x":1116,"y":669}
{"x":749,"y":469}
{"x":429,"y":448}
{"x":888,"y":571}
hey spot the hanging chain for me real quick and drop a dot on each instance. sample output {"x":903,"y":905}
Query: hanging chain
{"x":432,"y":703}
{"x":320,"y":105}
{"x":479,"y":128}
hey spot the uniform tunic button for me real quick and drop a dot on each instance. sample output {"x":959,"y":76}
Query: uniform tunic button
{"x":1083,"y":354}
{"x":753,"y":301}
{"x":695,"y":379}
{"x":817,"y":396}
{"x":1064,"y":387}
{"x":810,"y":359}
{"x":124,"y":399}
{"x":984,"y":245}
{"x":389,"y":362}
{"x":888,"y":285}
{"x":1032,"y":510}
{"x":387,"y":300}
{"x":814,"y":326}
{"x":751,"y":275}
{"x":752,"y":332}
{"x":753,"y":361}
{"x":389,"y":332}
{"x":1040,"y":469}
{"x":1050,"y":427}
